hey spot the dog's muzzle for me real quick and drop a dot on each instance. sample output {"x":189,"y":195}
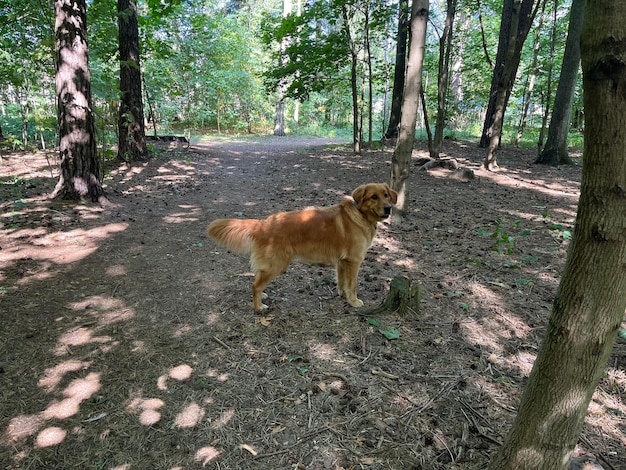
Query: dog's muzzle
{"x":387,"y":211}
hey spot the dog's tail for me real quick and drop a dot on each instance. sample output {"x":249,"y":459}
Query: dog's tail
{"x":234,"y":234}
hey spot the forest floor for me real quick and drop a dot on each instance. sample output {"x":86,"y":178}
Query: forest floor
{"x":127,"y":340}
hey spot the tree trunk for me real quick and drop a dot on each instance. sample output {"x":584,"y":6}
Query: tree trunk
{"x":526,"y":13}
{"x":403,"y":297}
{"x":400,"y":162}
{"x":279,"y":119}
{"x":130,"y":124}
{"x":509,"y":67}
{"x":356,"y":141}
{"x":555,"y":150}
{"x":591,"y":298}
{"x":530,"y":80}
{"x":399,"y":72}
{"x":548,"y":95}
{"x":80,"y":170}
{"x":445,"y":48}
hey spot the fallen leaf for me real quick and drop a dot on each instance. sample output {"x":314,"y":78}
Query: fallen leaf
{"x":250,"y":449}
{"x":265,"y":321}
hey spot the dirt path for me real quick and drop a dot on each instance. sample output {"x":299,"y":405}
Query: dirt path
{"x":127,"y":340}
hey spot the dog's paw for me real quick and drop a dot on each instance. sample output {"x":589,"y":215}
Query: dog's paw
{"x":260,"y":308}
{"x":356,"y":303}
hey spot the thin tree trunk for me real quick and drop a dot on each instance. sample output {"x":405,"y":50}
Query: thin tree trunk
{"x":591,"y":298}
{"x":548,"y":99}
{"x":555,"y":150}
{"x":399,"y":72}
{"x":80,"y":169}
{"x":445,"y":49}
{"x":530,"y":81}
{"x":508,"y":70}
{"x":400,"y":162}
{"x":356,"y":141}
{"x":506,"y":63}
{"x":131,"y":125}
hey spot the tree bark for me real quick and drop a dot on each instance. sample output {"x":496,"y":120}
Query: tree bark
{"x":80,"y":171}
{"x":131,"y":125}
{"x":445,"y":48}
{"x":507,"y":76}
{"x":399,"y":71}
{"x":591,"y":298}
{"x":403,"y":297}
{"x":497,"y":104}
{"x":555,"y":150}
{"x":400,"y":162}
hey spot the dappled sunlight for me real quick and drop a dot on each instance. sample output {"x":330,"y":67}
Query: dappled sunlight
{"x":116,"y":270}
{"x":215,"y":374}
{"x":192,"y":214}
{"x":22,"y":427}
{"x":54,"y":375}
{"x":485,"y":336}
{"x":190,"y":416}
{"x":25,"y":426}
{"x":206,"y":454}
{"x":522,"y":361}
{"x":78,"y":337}
{"x":224,"y":418}
{"x":53,"y":248}
{"x":51,"y":436}
{"x":323,"y":351}
{"x":148,"y":410}
{"x":105,"y":310}
{"x":76,"y":392}
{"x":182,"y":372}
{"x":567,"y":190}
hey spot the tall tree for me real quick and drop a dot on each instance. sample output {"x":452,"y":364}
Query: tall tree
{"x":445,"y":49}
{"x":591,"y":298}
{"x":399,"y":71}
{"x":517,"y":18}
{"x":130,"y":125}
{"x":555,"y":150}
{"x":400,"y":162}
{"x":80,"y":170}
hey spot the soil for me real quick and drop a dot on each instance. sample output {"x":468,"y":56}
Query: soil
{"x":128,"y":341}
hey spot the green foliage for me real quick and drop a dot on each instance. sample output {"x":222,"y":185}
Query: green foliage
{"x":216,"y":65}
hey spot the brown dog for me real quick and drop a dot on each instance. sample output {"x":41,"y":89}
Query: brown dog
{"x":335,"y":236}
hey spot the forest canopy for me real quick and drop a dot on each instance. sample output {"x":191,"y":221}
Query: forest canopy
{"x":219,"y":67}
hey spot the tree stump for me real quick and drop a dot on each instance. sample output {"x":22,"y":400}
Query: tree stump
{"x":403,"y":297}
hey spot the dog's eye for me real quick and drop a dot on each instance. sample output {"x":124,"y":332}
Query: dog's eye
{"x":375,"y":197}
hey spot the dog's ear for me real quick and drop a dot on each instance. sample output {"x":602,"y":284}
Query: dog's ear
{"x":392,"y":193}
{"x":359,"y":194}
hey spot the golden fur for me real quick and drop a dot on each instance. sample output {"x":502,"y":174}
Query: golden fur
{"x":336,"y":236}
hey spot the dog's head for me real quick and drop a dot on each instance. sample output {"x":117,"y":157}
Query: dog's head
{"x":375,"y":200}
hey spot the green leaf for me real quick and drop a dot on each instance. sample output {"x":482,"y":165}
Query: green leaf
{"x":567,"y":235}
{"x":372,"y":321}
{"x":390,"y":334}
{"x":621,"y":333}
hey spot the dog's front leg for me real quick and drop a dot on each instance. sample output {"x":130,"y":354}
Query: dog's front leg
{"x":347,"y":273}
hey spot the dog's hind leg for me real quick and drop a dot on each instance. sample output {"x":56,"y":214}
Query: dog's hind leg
{"x":263,"y":276}
{"x":261,"y":279}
